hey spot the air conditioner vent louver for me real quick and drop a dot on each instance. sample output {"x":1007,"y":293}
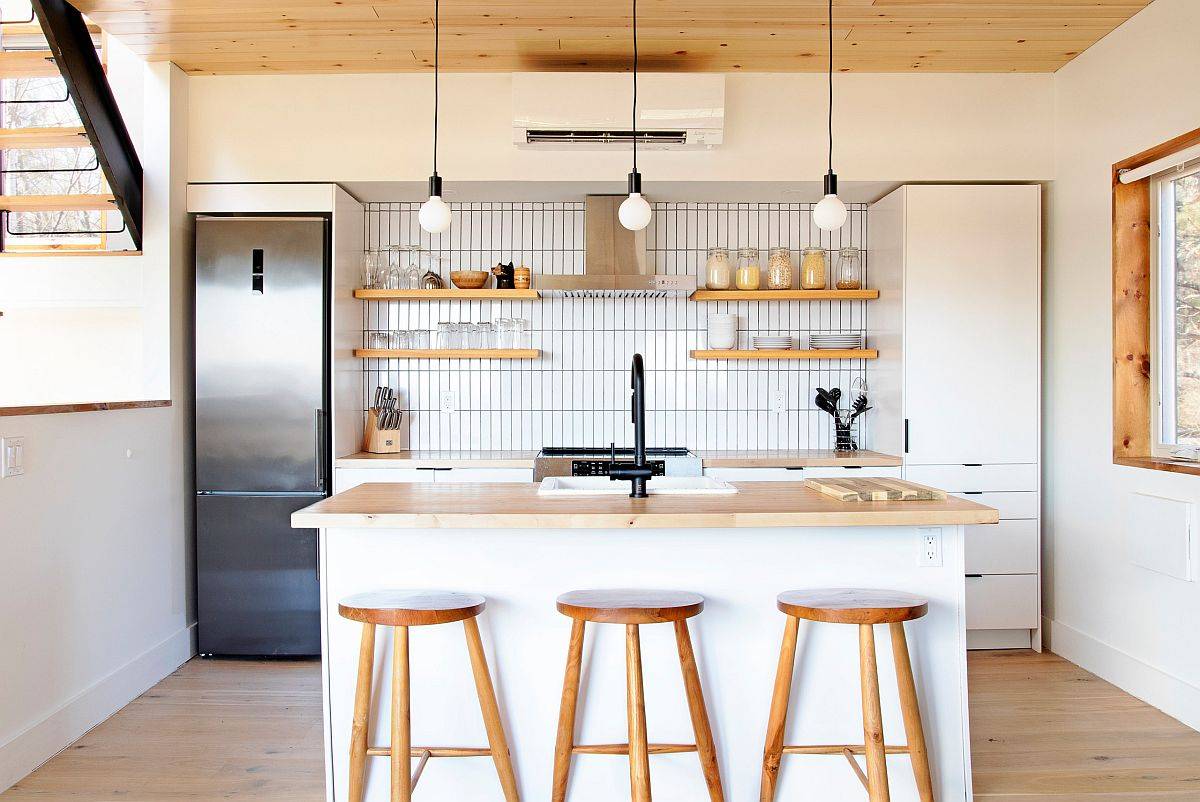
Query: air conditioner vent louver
{"x":541,"y":136}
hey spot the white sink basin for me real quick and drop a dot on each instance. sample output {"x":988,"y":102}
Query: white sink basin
{"x":567,"y":486}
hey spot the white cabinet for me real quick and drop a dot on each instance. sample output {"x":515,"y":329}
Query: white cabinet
{"x":346,"y":478}
{"x":972,"y":267}
{"x":962,"y":339}
{"x":797,"y":474}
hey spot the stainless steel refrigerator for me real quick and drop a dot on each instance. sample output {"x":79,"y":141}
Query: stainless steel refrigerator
{"x":262,"y":443}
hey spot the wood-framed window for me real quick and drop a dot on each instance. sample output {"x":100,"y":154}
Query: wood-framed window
{"x":1156,"y":314}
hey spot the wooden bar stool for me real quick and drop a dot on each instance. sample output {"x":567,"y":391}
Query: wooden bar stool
{"x":634,"y":608}
{"x":401,"y":609}
{"x":864,"y":608}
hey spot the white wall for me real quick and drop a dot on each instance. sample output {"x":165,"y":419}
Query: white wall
{"x":1133,"y":90}
{"x":378,"y":128}
{"x":95,"y":579}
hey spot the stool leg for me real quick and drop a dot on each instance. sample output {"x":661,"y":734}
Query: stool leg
{"x":696,"y":706}
{"x":566,"y":714}
{"x":362,"y":713}
{"x":491,"y":712}
{"x":777,"y":722}
{"x":639,"y":760}
{"x":912,"y":713}
{"x":877,"y":779}
{"x":401,"y":718}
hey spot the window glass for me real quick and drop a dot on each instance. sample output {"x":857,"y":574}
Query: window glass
{"x":1185,"y":253}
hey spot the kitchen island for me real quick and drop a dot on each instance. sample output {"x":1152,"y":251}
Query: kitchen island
{"x":739,"y":551}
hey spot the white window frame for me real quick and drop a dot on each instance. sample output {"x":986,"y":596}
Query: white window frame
{"x":1162,"y":309}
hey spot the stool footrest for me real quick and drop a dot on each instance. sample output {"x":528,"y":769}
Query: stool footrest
{"x":431,"y":751}
{"x":623,"y":749}
{"x":837,"y":749}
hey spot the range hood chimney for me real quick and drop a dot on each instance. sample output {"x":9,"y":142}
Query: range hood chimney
{"x":614,"y":260}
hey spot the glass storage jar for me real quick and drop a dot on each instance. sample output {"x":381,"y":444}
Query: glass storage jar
{"x":813,"y":274}
{"x":748,"y":271}
{"x":718,"y":271}
{"x":849,"y":269}
{"x":779,"y":269}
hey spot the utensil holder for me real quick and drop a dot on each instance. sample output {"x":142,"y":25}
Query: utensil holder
{"x":380,"y":441}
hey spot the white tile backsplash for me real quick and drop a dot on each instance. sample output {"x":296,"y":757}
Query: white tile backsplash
{"x":578,"y":392}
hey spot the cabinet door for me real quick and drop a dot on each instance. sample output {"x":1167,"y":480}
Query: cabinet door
{"x":346,"y":478}
{"x":971,"y":323}
{"x":485,"y":475}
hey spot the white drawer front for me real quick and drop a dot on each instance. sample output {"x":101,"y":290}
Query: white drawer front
{"x":1009,"y":547}
{"x":988,"y":478}
{"x":1002,"y":602}
{"x":797,"y":475}
{"x":484,"y":475}
{"x":346,"y":478}
{"x":1011,"y":505}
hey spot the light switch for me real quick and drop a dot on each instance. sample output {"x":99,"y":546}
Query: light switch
{"x":12,"y":456}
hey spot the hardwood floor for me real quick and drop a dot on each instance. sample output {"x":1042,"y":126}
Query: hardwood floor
{"x":1042,"y":730}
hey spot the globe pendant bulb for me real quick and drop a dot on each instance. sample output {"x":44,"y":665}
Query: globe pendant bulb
{"x":830,"y":213}
{"x":635,"y":212}
{"x":434,"y":216}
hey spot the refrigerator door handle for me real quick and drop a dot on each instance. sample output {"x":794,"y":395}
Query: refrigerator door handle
{"x":319,"y":439}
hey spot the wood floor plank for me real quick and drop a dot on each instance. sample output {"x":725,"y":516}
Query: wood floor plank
{"x":1042,"y":730}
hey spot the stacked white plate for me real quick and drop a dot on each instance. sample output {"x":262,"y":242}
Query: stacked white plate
{"x":773,"y":343}
{"x":835,"y":342}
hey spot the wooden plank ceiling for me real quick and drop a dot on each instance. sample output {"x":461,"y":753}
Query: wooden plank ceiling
{"x":291,"y":36}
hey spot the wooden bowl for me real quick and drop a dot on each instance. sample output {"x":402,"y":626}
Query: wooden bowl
{"x":469,"y":279}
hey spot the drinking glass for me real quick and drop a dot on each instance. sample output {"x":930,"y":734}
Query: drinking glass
{"x":371,"y":262}
{"x":398,"y":339}
{"x":487,"y":335}
{"x":447,"y":335}
{"x":377,"y":339}
{"x":412,"y":272}
{"x":419,"y":339}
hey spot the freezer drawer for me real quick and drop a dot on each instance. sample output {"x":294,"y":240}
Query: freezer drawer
{"x":967,"y":478}
{"x":1009,"y":547}
{"x":1002,"y":602}
{"x":257,"y":591}
{"x":1012,"y":506}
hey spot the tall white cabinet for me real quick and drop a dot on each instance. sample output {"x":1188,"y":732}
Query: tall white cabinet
{"x":960,"y":331}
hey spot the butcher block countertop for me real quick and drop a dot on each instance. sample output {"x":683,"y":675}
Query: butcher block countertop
{"x":799,"y":458}
{"x":518,"y":505}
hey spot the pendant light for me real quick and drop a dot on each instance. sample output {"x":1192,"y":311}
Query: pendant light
{"x":434,"y":216}
{"x":830,"y":213}
{"x":635,"y":212}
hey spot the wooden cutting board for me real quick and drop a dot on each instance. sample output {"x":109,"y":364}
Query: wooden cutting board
{"x":874,"y":490}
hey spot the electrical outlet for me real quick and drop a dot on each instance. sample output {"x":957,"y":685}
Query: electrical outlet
{"x":12,"y":456}
{"x":779,"y":401}
{"x":449,"y":401}
{"x":931,"y":547}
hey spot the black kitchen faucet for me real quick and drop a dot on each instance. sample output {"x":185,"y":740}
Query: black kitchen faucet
{"x":638,"y":471}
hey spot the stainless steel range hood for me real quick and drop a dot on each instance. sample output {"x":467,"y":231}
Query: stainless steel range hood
{"x":615,"y":260}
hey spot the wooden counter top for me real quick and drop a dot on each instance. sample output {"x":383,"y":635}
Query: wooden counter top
{"x":517,"y":505}
{"x":800,"y":458}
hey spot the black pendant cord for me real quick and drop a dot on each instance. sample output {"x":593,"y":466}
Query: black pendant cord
{"x":831,"y":86}
{"x":635,"y":84}
{"x":436,"y":76}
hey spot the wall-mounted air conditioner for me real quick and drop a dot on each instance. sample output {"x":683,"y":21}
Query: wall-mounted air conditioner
{"x":593,"y":110}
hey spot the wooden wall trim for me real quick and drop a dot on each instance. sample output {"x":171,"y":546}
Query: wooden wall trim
{"x":1131,"y":309}
{"x":96,"y":406}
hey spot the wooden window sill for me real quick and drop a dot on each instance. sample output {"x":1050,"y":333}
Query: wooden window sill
{"x":1151,"y":463}
{"x":42,"y":254}
{"x":97,"y":406}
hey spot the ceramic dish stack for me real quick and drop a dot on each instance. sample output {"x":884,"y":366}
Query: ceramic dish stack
{"x":773,"y":343}
{"x":835,"y":342}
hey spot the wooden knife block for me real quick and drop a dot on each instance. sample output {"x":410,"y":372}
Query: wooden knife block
{"x":379,"y":441}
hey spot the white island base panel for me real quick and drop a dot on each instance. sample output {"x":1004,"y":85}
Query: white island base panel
{"x":737,"y":640}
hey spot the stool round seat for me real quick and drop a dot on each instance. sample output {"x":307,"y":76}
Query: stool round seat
{"x":853,"y":605}
{"x":630,"y":606}
{"x":411,"y":608}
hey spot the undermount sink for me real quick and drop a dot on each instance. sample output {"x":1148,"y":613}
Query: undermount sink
{"x":658,"y":486}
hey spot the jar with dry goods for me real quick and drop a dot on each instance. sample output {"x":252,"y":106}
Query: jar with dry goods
{"x":718,"y":270}
{"x":779,"y":269}
{"x":748,"y":270}
{"x":849,"y":269}
{"x":813,"y":273}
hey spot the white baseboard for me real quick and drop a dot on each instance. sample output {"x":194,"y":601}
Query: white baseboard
{"x":1170,"y":694}
{"x":46,"y":738}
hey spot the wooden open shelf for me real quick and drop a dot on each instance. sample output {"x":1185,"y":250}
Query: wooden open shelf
{"x":785,"y":295}
{"x":448,"y":353}
{"x":446,"y":294}
{"x":855,"y":353}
